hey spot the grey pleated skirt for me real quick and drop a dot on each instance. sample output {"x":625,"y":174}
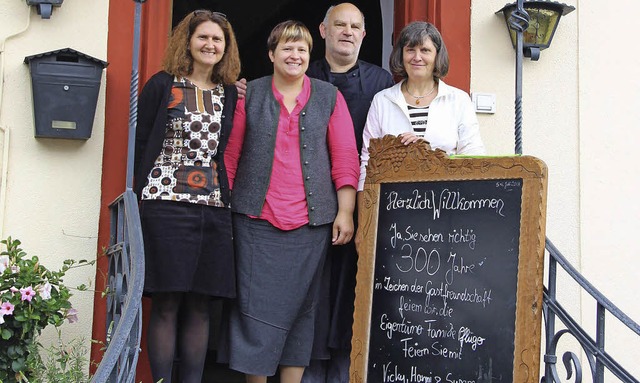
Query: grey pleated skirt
{"x":271,"y":322}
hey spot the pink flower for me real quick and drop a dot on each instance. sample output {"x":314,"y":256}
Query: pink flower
{"x":4,"y":263}
{"x":72,"y":315}
{"x":27,"y":294}
{"x":13,"y":289}
{"x":6,"y":308}
{"x":45,"y":291}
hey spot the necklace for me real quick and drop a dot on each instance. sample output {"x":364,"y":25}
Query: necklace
{"x":418,"y":98}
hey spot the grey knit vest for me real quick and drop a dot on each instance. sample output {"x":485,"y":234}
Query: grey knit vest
{"x":256,"y":161}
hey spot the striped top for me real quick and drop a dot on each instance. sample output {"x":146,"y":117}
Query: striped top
{"x":418,"y":116}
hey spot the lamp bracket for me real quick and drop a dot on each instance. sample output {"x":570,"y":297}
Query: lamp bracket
{"x":45,"y":7}
{"x":532,"y":52}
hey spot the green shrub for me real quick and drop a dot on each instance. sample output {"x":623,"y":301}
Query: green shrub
{"x":31,"y":298}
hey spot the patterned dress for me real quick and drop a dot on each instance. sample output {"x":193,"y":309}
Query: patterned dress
{"x":186,"y":227}
{"x":185,"y":169}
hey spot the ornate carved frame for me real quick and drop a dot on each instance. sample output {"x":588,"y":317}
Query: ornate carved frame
{"x":393,"y":162}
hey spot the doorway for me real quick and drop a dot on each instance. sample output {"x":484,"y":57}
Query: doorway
{"x":252,"y":21}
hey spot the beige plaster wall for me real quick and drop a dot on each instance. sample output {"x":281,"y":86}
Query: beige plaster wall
{"x":581,"y":116}
{"x":609,"y":115}
{"x":51,"y":192}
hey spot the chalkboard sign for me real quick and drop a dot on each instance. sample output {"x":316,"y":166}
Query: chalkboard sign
{"x":450,"y":270}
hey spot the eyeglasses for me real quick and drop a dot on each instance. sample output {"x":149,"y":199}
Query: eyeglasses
{"x":199,"y":12}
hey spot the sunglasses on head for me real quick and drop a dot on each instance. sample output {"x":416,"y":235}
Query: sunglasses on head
{"x":199,"y":12}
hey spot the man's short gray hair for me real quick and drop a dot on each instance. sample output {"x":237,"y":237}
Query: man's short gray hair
{"x":326,"y":16}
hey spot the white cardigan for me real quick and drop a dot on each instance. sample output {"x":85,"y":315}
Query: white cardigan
{"x":452,"y":124}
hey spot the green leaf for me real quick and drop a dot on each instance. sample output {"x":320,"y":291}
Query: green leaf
{"x":11,"y":352}
{"x":17,"y":365}
{"x":7,"y":333}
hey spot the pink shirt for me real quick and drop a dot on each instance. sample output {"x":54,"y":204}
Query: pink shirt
{"x":285,"y":204}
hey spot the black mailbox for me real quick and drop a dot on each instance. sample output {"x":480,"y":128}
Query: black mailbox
{"x":65,"y":85}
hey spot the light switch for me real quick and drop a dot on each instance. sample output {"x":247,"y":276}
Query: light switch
{"x":484,"y":102}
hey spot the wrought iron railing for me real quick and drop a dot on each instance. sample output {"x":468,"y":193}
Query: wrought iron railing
{"x":124,"y":293}
{"x":126,"y":257}
{"x":594,"y":350}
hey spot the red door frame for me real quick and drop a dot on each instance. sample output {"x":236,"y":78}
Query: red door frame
{"x":155,"y":27}
{"x":453,"y":21}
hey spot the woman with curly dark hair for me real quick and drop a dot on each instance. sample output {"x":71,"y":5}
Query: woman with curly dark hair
{"x":184,"y":119}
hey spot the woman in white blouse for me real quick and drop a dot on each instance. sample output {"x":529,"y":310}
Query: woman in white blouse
{"x":422,"y":106}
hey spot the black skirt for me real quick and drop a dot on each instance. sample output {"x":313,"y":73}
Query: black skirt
{"x":188,"y":248}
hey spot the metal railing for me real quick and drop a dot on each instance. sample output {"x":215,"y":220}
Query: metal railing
{"x":598,"y":358}
{"x":124,"y":293}
{"x":126,"y":257}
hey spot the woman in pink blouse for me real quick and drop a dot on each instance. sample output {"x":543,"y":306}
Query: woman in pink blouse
{"x":293,"y":170}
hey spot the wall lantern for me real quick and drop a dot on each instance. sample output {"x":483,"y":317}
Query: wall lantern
{"x":65,"y":86}
{"x":532,"y":24}
{"x":45,"y":7}
{"x":544,"y":17}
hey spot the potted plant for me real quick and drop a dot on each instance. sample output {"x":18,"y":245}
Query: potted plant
{"x":31,"y":298}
